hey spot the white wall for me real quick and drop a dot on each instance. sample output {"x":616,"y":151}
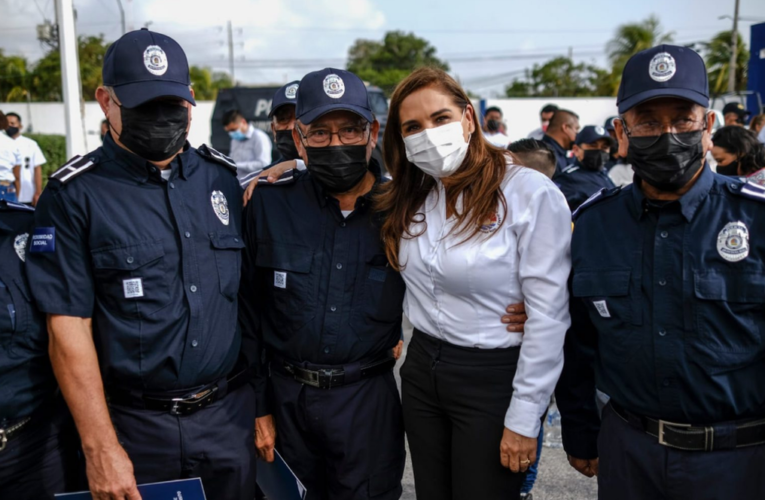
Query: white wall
{"x":521,"y":116}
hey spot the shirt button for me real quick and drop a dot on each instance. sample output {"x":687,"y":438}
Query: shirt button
{"x":187,"y":234}
{"x":339,"y":266}
{"x":662,"y":282}
{"x":172,"y":186}
{"x":193,"y":288}
{"x":333,"y":308}
{"x":664,"y":234}
{"x":194,"y":343}
{"x":666,"y":382}
{"x":130,"y":259}
{"x":326,"y":350}
{"x":662,"y":333}
{"x":342,"y":224}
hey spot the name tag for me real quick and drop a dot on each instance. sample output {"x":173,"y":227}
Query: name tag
{"x":280,"y":279}
{"x":133,"y":288}
{"x":43,"y":240}
{"x":602,"y":308}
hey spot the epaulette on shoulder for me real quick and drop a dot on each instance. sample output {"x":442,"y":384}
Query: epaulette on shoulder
{"x":211,"y":154}
{"x":570,"y":169}
{"x":73,"y":168}
{"x":287,"y":177}
{"x":747,"y":190}
{"x":12,"y":205}
{"x":596,"y":198}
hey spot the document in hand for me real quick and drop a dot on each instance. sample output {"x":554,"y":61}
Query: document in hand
{"x":277,"y":480}
{"x":185,"y":489}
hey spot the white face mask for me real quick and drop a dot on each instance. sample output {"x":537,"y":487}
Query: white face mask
{"x":438,"y":151}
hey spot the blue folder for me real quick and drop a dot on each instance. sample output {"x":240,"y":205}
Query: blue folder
{"x":277,"y":480}
{"x":184,"y":489}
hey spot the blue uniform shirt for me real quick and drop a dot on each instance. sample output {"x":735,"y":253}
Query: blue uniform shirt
{"x":578,"y":183}
{"x":668,"y":308}
{"x":561,"y":155}
{"x":26,"y":378}
{"x":155,"y":264}
{"x":317,"y":286}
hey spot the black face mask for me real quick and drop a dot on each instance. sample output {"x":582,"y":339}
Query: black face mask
{"x":155,"y":131}
{"x":11,"y":131}
{"x":594,"y":159}
{"x":285,"y":145}
{"x":731,"y":169}
{"x":668,"y":162}
{"x":492,"y":125}
{"x":338,"y":168}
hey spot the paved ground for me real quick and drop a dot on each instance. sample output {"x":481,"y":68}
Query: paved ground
{"x":556,"y":480}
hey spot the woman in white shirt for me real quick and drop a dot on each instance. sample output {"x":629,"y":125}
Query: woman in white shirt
{"x":471,"y":232}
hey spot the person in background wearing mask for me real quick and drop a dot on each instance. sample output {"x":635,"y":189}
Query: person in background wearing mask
{"x":250,"y":146}
{"x":10,"y":163}
{"x":318,"y":290}
{"x":32,"y":158}
{"x":545,"y":115}
{"x":666,"y":305}
{"x":534,"y":154}
{"x":468,"y":386}
{"x":561,"y":135}
{"x":492,"y":127}
{"x":135,"y":258}
{"x":757,"y":125}
{"x":734,"y":113}
{"x":588,"y":173}
{"x":738,"y":153}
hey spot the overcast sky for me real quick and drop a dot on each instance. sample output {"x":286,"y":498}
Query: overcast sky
{"x":486,"y":42}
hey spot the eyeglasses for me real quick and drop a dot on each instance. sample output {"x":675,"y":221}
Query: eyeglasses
{"x":348,"y":136}
{"x":654,"y":128}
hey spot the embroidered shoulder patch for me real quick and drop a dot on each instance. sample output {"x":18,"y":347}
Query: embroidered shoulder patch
{"x":43,"y":240}
{"x":73,"y":168}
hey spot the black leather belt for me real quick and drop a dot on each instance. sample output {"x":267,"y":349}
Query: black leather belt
{"x":186,"y":404}
{"x":694,"y":437}
{"x":9,"y":431}
{"x":327,"y":378}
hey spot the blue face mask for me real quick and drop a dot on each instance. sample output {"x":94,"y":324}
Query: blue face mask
{"x":237,"y":135}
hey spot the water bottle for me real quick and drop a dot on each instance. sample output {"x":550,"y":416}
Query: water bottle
{"x":553,"y":437}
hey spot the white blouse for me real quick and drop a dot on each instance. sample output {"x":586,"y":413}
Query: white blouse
{"x":458,"y":292}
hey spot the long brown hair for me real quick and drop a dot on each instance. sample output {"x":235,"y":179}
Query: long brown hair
{"x":478,"y":178}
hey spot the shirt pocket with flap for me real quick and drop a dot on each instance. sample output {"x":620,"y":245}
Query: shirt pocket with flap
{"x":228,"y":260}
{"x":729,"y":315}
{"x":379,"y":298}
{"x":288,"y":283}
{"x":131,"y":280}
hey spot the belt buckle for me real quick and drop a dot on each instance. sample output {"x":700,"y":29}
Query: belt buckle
{"x":179,"y":404}
{"x":662,"y":424}
{"x":3,"y":439}
{"x":310,"y":377}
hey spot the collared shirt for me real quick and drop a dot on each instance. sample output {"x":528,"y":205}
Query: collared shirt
{"x":9,"y":157}
{"x":252,"y":154}
{"x":578,"y":183}
{"x":667,"y":308}
{"x":316,"y":285}
{"x":154,"y":263}
{"x":31,"y":157}
{"x":26,"y":378}
{"x":458,"y":291}
{"x":561,"y":155}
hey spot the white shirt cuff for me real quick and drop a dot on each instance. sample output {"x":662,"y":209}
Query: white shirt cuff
{"x":523,"y":417}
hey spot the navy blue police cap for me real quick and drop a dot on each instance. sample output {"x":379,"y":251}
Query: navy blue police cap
{"x":330,"y":90}
{"x":663,"y":71}
{"x":735,"y":107}
{"x":592,"y":133}
{"x":284,"y":96}
{"x":143,"y":65}
{"x":609,"y":125}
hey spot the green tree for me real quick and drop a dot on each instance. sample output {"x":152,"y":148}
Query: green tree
{"x":46,"y":76}
{"x":717,"y":55}
{"x":628,"y":40}
{"x":388,"y":62}
{"x":15,"y":78}
{"x":558,"y":77}
{"x":206,"y":83}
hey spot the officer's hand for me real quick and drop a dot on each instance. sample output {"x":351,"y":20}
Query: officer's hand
{"x":265,"y":437}
{"x":587,"y":467}
{"x":272,"y":174}
{"x":398,"y":349}
{"x":515,"y":318}
{"x":110,"y":475}
{"x":517,"y":452}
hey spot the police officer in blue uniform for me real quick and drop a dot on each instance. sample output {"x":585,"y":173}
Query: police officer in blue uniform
{"x":38,"y":444}
{"x":587,"y":175}
{"x":316,"y":286}
{"x":668,"y":293}
{"x":135,"y":258}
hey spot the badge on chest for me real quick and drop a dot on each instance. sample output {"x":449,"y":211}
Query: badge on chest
{"x":733,"y":242}
{"x":220,"y":206}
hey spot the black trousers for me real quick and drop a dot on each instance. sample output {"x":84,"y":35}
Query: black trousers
{"x":216,"y":444}
{"x":43,"y":458}
{"x":634,"y":466}
{"x":344,"y":443}
{"x":455,"y":400}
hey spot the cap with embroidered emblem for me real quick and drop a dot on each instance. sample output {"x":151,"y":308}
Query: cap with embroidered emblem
{"x":329,"y":90}
{"x":286,"y":95}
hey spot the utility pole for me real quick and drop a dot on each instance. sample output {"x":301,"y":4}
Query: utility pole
{"x":733,"y":52}
{"x":70,"y":78}
{"x":231,"y":52}
{"x":122,"y":16}
{"x":571,"y":53}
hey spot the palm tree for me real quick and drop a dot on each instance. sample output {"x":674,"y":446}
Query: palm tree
{"x":630,"y":39}
{"x":717,"y":56}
